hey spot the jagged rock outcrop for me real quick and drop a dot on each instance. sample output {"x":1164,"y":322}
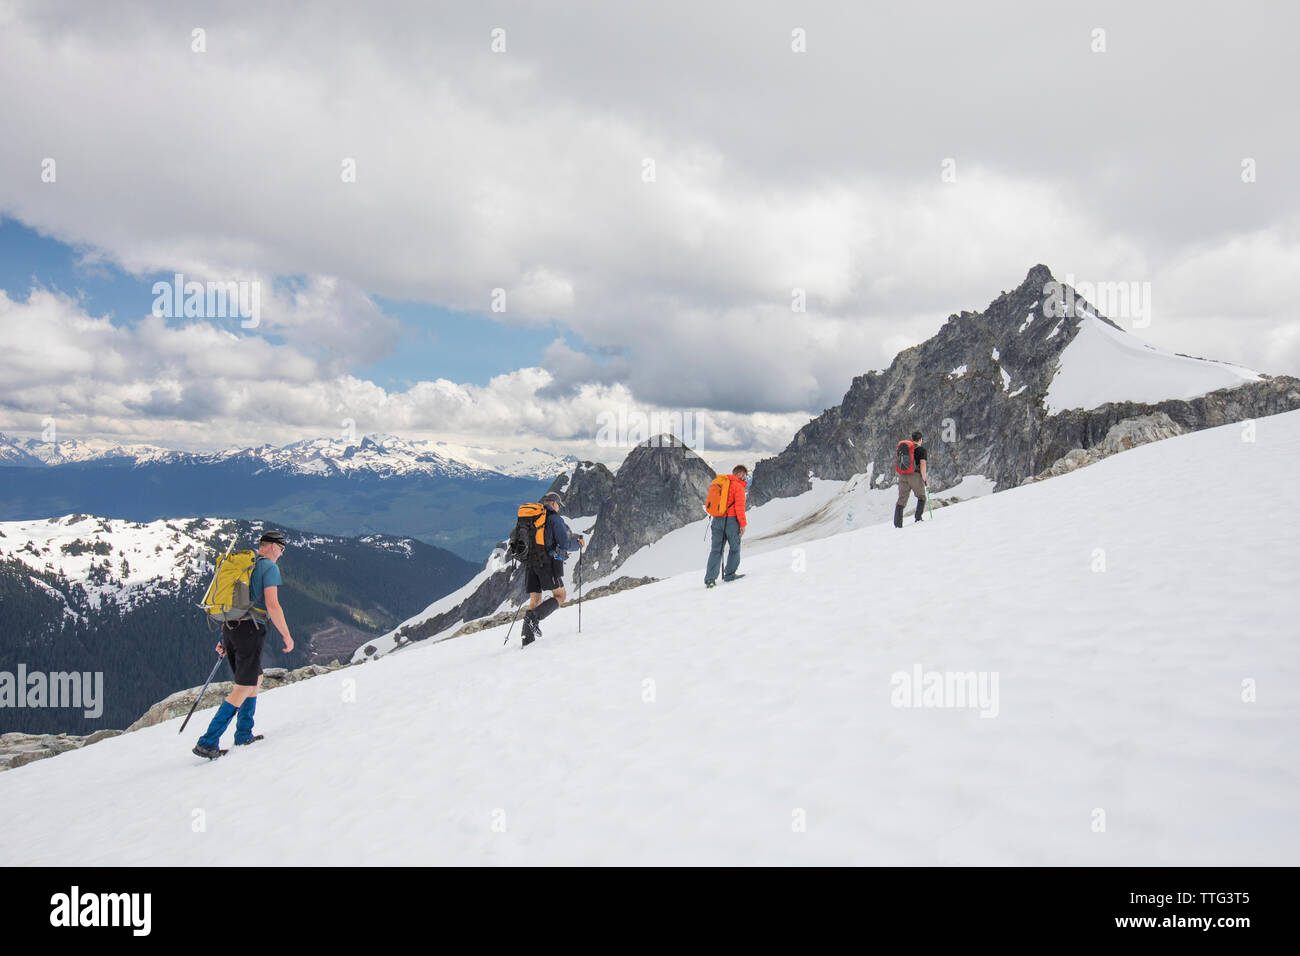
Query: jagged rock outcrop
{"x":977,"y":390}
{"x":660,"y":487}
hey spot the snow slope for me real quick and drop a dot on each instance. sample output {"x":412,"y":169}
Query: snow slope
{"x":1105,"y":364}
{"x":755,"y":723}
{"x":829,"y":507}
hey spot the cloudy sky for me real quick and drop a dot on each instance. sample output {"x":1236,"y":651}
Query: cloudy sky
{"x":647,"y":182}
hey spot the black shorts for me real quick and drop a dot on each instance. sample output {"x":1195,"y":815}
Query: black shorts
{"x":544,"y":577}
{"x":243,"y":641}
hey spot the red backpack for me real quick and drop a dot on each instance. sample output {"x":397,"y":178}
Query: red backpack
{"x":905,"y":458}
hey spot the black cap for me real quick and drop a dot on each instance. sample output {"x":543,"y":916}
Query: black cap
{"x":273,"y":537}
{"x":916,"y":436}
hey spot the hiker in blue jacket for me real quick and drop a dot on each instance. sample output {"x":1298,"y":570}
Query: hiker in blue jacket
{"x":545,"y":568}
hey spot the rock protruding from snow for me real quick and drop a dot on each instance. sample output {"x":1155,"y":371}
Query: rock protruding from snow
{"x":1121,"y":437}
{"x":19,"y":749}
{"x":179,"y":703}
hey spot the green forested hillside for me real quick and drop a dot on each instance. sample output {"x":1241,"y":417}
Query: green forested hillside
{"x":160,"y":642}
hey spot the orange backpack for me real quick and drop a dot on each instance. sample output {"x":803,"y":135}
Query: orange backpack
{"x":716,"y":501}
{"x":528,"y":539}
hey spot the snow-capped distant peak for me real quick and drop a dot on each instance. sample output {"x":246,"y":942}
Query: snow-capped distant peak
{"x":533,"y":463}
{"x":378,"y":455}
{"x":69,"y":451}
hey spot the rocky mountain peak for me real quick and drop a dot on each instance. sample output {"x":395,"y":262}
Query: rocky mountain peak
{"x":979,"y":391}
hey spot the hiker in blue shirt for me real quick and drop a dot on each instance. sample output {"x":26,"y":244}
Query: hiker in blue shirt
{"x":241,"y":645}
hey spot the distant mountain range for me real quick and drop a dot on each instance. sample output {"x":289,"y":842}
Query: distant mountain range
{"x":383,"y":456}
{"x":452,"y":496}
{"x":86,"y":593}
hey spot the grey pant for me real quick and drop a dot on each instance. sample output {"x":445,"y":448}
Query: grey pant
{"x":913,"y":484}
{"x":726,"y":531}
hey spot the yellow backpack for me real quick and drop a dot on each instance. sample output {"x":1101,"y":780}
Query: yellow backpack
{"x":229,"y":597}
{"x":716,"y":501}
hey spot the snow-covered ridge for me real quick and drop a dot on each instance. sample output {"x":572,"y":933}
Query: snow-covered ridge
{"x":1106,"y":364}
{"x":120,"y":562}
{"x":377,"y":455}
{"x":114,"y":561}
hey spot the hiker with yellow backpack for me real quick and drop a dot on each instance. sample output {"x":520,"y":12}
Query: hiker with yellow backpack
{"x":725,"y":502}
{"x":244,"y":594}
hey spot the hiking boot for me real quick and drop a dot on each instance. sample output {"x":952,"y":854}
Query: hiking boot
{"x":734,"y":577}
{"x":208,"y":752}
{"x":252,"y":740}
{"x":898,"y":516}
{"x":709,"y":584}
{"x":529,"y":627}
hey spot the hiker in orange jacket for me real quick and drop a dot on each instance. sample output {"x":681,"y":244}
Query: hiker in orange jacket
{"x":727,"y":530}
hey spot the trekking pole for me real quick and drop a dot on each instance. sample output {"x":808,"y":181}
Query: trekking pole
{"x":578,"y":571}
{"x":201,"y":693}
{"x":517,"y":609}
{"x":929,"y":506}
{"x":512,"y":623}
